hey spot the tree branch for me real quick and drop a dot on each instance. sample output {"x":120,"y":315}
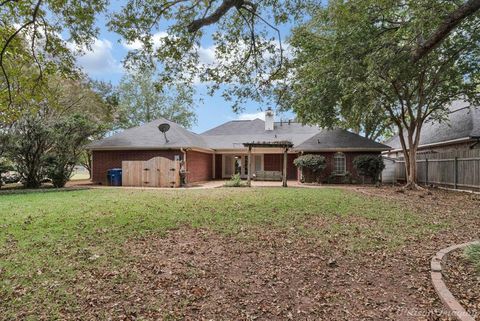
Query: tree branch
{"x":226,"y":5}
{"x":7,"y":43}
{"x":449,"y":23}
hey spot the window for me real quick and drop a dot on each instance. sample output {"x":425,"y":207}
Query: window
{"x":339,"y":163}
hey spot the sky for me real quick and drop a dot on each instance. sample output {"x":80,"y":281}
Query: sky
{"x":104,"y":62}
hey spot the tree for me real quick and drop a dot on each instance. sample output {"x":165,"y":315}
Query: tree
{"x":4,"y":164}
{"x":250,"y":57}
{"x":69,"y":136}
{"x":365,"y":48}
{"x":141,"y":101}
{"x":108,"y":97}
{"x":48,"y":139}
{"x":30,"y":141}
{"x":370,"y":166}
{"x":33,"y":33}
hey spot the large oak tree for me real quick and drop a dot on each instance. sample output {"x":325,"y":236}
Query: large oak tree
{"x":367,"y":50}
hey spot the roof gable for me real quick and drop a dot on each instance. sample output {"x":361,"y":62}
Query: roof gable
{"x":330,"y":139}
{"x":463,"y":122}
{"x":148,"y":136}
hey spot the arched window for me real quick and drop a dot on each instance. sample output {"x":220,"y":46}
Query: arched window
{"x":339,"y":163}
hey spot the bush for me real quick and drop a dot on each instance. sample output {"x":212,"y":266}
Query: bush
{"x":316,"y":163}
{"x":369,"y":166}
{"x":58,"y":170}
{"x":235,"y":181}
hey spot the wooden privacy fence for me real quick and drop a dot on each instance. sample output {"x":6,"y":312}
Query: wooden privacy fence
{"x":156,"y":172}
{"x":456,"y":169}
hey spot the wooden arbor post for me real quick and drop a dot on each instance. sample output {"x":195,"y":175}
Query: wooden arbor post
{"x":286,"y":145}
{"x":284,"y":172}
{"x":249,"y":167}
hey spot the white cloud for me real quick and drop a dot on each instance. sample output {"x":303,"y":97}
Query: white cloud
{"x":252,"y":116}
{"x":99,"y":59}
{"x":157,"y":39}
{"x":206,"y":55}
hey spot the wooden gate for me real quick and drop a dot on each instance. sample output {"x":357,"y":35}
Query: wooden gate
{"x":156,"y":172}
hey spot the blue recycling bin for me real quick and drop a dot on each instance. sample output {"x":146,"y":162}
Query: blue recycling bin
{"x":114,"y":177}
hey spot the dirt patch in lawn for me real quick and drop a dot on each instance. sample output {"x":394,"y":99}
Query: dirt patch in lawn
{"x":280,"y":274}
{"x":197,"y":274}
{"x":463,"y":280}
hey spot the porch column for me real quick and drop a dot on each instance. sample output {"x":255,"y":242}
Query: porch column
{"x":284,"y":176}
{"x":249,"y":166}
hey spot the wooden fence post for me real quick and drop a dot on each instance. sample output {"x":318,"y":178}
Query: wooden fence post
{"x":284,"y":174}
{"x":455,"y":172}
{"x":249,"y":167}
{"x":426,"y":171}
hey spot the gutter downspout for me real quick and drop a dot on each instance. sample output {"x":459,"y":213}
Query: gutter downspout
{"x":184,"y":151}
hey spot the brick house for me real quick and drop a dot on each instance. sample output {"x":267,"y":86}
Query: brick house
{"x":460,"y":131}
{"x":220,"y":152}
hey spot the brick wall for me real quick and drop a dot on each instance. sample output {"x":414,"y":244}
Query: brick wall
{"x":199,"y":166}
{"x":349,"y":157}
{"x":274,"y":162}
{"x":105,"y":160}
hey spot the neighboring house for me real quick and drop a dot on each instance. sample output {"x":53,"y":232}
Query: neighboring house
{"x":461,"y":131}
{"x":220,"y":152}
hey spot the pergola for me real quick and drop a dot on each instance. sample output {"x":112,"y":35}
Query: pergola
{"x":285,"y":144}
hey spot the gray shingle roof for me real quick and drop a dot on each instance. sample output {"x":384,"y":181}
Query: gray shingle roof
{"x":148,"y":136}
{"x":233,"y":134}
{"x":463,"y":122}
{"x":339,"y":139}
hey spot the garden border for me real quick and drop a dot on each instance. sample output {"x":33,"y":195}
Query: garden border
{"x":443,"y":292}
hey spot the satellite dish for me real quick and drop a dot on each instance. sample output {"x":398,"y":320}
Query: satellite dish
{"x":164,"y":129}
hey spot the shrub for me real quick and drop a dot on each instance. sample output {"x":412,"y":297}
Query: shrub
{"x":58,"y":170}
{"x":369,"y":166}
{"x":316,"y":163}
{"x":235,"y":181}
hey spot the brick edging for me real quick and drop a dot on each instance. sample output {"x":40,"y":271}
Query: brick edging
{"x":443,"y":292}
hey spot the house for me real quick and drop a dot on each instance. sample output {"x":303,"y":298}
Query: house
{"x":460,"y":132}
{"x":449,"y":151}
{"x":224,"y":150}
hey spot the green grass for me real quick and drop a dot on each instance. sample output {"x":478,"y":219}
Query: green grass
{"x":473,"y":254}
{"x":47,"y":239}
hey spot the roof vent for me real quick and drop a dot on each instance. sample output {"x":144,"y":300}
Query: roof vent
{"x":164,"y":129}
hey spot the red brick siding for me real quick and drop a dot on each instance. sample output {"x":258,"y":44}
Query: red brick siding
{"x":199,"y":166}
{"x":105,"y":160}
{"x":274,"y":162}
{"x":349,"y":157}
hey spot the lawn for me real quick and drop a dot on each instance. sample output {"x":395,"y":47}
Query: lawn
{"x":61,"y":251}
{"x":473,"y":254}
